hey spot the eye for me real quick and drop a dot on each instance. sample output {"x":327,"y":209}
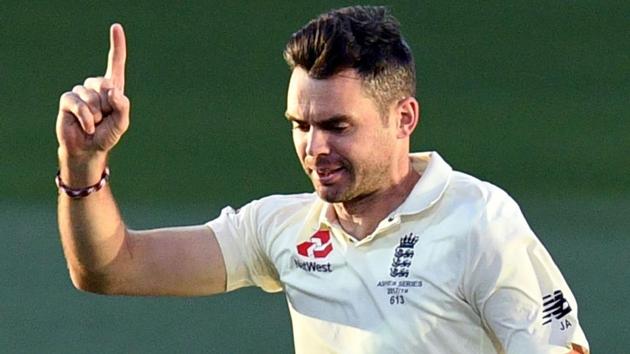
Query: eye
{"x":301,"y":126}
{"x":337,"y":127}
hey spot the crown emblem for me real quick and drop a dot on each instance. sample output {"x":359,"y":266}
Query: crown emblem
{"x":408,"y":241}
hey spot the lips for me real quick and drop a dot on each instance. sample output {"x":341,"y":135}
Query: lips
{"x":328,"y":176}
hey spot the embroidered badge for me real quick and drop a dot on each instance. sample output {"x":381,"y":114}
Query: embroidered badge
{"x":403,"y":256}
{"x":396,"y":290}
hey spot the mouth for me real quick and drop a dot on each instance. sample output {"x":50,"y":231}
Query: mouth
{"x":328,"y":176}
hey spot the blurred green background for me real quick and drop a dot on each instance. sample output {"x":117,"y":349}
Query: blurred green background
{"x":531,"y":95}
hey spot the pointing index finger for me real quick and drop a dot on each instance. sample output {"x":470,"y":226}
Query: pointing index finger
{"x":117,"y":56}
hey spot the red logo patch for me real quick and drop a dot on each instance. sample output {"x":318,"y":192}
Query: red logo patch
{"x":318,"y":246}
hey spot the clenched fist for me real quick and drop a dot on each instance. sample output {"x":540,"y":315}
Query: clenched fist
{"x":93,"y":116}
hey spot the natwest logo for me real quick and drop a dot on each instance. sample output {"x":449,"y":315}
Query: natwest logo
{"x":318,"y":246}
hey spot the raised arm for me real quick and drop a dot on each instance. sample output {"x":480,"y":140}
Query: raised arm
{"x":103,"y":255}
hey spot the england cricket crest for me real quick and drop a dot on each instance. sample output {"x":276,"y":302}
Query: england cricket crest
{"x":399,"y":285}
{"x":403,"y":254}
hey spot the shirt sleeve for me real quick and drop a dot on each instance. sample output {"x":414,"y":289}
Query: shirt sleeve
{"x":514,"y":285}
{"x":246,"y":263}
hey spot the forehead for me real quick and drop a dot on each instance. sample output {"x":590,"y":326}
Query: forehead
{"x":310,"y":98}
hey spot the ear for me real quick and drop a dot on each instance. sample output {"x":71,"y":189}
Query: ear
{"x":408,"y":116}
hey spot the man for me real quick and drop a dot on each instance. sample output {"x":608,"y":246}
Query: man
{"x":393,"y":253}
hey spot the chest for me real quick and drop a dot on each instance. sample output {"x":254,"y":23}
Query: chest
{"x":408,"y":273}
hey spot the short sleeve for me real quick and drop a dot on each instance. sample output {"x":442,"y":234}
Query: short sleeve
{"x":514,"y":285}
{"x":245,"y":260}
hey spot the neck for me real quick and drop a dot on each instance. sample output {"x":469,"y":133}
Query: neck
{"x":360,"y":216}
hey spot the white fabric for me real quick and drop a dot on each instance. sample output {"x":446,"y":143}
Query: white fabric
{"x":472,"y":282}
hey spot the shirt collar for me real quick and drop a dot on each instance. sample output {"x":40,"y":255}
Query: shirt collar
{"x":435,"y":175}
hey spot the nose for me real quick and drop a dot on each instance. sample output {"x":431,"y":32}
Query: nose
{"x":316,"y":143}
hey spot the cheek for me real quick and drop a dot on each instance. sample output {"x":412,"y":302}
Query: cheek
{"x":299,"y":143}
{"x":384,"y":140}
{"x":371,"y":144}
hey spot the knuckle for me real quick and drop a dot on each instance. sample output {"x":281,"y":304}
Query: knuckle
{"x":122,"y":104}
{"x":88,"y":97}
{"x":79,"y":111}
{"x":78,"y":89}
{"x":66,"y":99}
{"x":107,"y":84}
{"x":126,"y":102}
{"x":80,"y":108}
{"x":93,"y":83}
{"x":92,"y":98}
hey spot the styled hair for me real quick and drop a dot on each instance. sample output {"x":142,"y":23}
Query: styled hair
{"x":364,"y":38}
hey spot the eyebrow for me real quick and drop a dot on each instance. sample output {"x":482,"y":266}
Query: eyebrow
{"x":289,"y":117}
{"x":332,"y":119}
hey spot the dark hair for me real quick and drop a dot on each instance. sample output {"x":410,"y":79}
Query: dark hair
{"x":364,"y":38}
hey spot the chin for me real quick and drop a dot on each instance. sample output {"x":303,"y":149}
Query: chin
{"x":326,"y":194}
{"x":331,"y":195}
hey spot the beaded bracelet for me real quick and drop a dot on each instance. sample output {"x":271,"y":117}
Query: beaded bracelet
{"x":82,"y":192}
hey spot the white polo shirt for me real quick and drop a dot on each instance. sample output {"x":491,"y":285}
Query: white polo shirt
{"x":454,"y":269}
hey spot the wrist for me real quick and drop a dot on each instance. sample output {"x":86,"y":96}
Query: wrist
{"x":79,"y":171}
{"x":77,"y":193}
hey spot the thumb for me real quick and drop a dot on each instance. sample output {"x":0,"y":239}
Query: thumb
{"x":120,"y":105}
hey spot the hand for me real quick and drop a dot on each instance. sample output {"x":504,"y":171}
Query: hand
{"x":93,"y":116}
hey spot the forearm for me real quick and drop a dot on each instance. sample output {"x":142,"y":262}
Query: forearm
{"x":102,"y":255}
{"x":92,"y":231}
{"x":105,"y":257}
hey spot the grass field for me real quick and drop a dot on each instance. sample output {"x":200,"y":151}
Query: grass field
{"x":530,"y":95}
{"x":41,"y":311}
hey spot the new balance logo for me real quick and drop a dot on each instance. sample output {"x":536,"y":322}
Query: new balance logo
{"x":555,"y":306}
{"x":318,"y":246}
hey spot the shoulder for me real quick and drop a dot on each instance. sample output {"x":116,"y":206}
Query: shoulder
{"x":498,"y":230}
{"x":487,"y":198}
{"x":470,"y":188}
{"x":493,"y":215}
{"x":278,"y":209}
{"x":260,"y":210}
{"x":480,"y":199}
{"x":283,"y":203}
